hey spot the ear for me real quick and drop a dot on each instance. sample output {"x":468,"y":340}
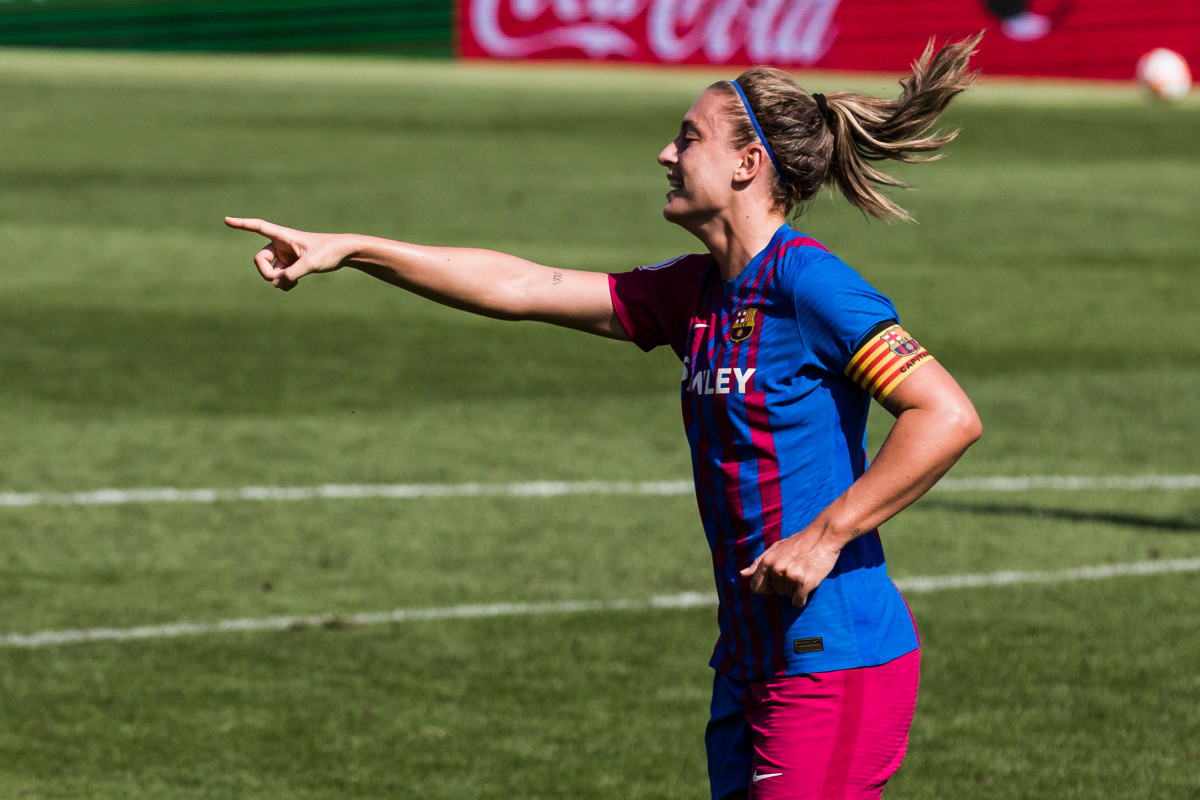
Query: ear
{"x":752,"y":161}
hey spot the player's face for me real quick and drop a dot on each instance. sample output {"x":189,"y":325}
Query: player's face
{"x":700,"y":163}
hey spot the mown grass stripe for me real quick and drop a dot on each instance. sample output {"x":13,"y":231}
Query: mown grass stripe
{"x":413,"y":491}
{"x":684,"y":600}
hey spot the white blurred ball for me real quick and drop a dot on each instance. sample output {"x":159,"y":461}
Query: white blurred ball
{"x":1164,"y":73}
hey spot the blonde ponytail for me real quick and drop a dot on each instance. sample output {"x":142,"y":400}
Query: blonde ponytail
{"x":835,"y":138}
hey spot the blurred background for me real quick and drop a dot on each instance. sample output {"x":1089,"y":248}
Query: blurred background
{"x":1067,"y":38}
{"x":343,"y":543}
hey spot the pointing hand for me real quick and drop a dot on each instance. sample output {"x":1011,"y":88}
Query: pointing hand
{"x":291,"y":254}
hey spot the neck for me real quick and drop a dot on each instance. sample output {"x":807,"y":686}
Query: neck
{"x":733,"y":241}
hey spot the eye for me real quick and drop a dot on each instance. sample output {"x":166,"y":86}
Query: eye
{"x":687,"y":135}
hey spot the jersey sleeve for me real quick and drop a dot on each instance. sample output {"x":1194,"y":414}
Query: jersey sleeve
{"x":654,"y":303}
{"x":850,"y":327}
{"x":886,"y":357}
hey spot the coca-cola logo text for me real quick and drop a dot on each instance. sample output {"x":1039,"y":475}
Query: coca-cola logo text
{"x":796,"y":32}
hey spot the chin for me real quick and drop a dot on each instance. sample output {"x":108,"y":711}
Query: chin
{"x":674,"y":211}
{"x":684,"y":216}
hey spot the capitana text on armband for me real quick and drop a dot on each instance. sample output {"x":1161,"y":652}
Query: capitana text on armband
{"x":912,"y":362}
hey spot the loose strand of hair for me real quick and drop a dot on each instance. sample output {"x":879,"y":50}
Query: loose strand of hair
{"x":870,"y":129}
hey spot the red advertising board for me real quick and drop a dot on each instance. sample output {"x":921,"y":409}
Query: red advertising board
{"x":1066,"y":38}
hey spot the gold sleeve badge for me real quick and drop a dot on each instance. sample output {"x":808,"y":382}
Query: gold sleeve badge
{"x":885,"y":360}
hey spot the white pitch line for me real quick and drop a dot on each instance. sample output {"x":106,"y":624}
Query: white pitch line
{"x":1010,"y":578}
{"x":531,"y":489}
{"x":684,"y":600}
{"x":395,"y":491}
{"x":1071,"y":483}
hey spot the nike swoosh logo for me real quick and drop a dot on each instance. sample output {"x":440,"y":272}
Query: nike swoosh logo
{"x":763,"y":776}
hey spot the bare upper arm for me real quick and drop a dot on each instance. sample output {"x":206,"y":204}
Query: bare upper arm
{"x":573,"y":299}
{"x":932,"y":388}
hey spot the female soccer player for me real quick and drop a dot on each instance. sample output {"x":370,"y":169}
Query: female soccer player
{"x":783,"y":347}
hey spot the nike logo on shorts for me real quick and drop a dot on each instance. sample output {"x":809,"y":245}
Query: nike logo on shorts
{"x":762,"y":776}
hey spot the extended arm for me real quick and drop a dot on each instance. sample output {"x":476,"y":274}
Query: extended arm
{"x":935,"y":424}
{"x":480,"y":281}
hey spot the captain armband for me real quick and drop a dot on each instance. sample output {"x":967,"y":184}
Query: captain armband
{"x":885,"y":359}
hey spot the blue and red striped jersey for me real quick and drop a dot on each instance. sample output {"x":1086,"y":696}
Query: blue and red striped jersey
{"x":777,"y":431}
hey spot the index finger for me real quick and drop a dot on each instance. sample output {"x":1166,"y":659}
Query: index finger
{"x":753,"y":568}
{"x":260,"y":226}
{"x":760,"y":575}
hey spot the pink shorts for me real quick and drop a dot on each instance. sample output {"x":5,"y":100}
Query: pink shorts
{"x":827,"y":735}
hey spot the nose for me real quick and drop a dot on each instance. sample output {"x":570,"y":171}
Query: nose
{"x":669,"y":154}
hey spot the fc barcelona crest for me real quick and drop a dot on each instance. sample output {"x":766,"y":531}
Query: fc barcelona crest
{"x":900,"y":342}
{"x":743,"y":325}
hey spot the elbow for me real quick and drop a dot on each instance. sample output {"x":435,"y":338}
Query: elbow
{"x":503,"y":301}
{"x":512,"y":301}
{"x":965,"y":423}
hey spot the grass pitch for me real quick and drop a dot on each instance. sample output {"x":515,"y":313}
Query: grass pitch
{"x":1052,"y":272}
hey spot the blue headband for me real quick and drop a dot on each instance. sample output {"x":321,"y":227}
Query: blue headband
{"x":766,"y":145}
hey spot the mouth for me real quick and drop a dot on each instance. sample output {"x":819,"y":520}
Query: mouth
{"x":675,"y":183}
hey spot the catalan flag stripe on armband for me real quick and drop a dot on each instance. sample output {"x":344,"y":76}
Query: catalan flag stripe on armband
{"x":885,"y":360}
